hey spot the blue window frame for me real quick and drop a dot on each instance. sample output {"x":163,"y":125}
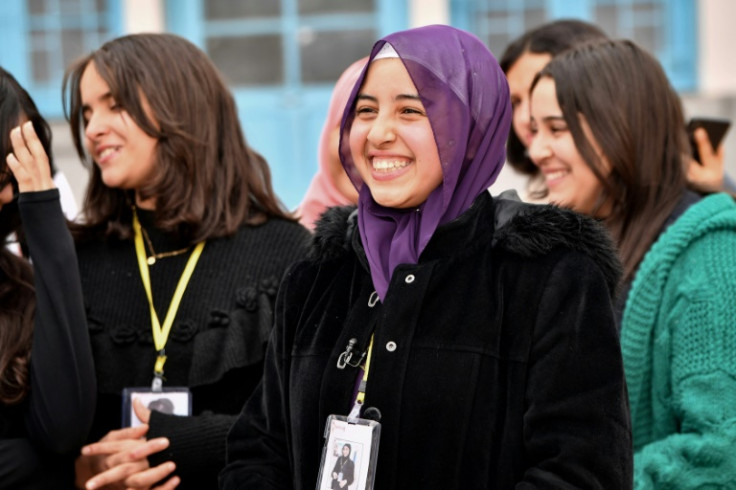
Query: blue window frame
{"x":41,"y":38}
{"x":281,"y":58}
{"x":666,"y":28}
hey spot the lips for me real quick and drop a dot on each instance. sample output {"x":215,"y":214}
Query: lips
{"x":106,"y":153}
{"x":555,"y":176}
{"x":389,"y":168}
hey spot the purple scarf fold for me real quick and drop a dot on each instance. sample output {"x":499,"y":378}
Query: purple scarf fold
{"x":466,"y":97}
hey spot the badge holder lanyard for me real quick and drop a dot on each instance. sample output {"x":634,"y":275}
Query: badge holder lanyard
{"x":161,"y":332}
{"x":168,"y":400}
{"x":350,"y":453}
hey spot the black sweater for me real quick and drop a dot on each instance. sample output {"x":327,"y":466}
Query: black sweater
{"x":40,"y":437}
{"x":216,"y":346}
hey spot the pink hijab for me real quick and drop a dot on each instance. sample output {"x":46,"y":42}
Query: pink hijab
{"x":322,"y":192}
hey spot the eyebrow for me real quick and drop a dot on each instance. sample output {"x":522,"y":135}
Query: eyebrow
{"x":104,"y":97}
{"x":553,"y":118}
{"x":398,"y":97}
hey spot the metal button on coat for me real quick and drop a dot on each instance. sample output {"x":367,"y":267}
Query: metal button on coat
{"x":409,"y":279}
{"x":372,"y":413}
{"x":391,"y":346}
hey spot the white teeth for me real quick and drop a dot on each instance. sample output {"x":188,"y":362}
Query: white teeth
{"x":556,"y":175}
{"x":106,"y":152}
{"x":388,"y":165}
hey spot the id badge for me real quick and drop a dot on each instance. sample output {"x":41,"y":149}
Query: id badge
{"x":350,"y":454}
{"x":170,"y":400}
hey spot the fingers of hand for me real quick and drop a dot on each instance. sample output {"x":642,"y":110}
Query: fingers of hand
{"x":707,"y":152}
{"x":127,"y":433}
{"x":115,"y":441}
{"x":169,"y":485}
{"x":33,"y":144}
{"x":116,"y":474}
{"x":145,"y":479}
{"x":141,"y":411}
{"x":29,"y":162}
{"x":20,"y":149}
{"x":150,"y":447}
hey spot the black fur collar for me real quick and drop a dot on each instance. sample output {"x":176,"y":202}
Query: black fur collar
{"x":528,"y":230}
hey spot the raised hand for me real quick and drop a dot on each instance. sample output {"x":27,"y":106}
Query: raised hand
{"x":28,"y":161}
{"x":706,"y":176}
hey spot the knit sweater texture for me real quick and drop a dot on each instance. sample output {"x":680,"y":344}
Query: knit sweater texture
{"x":679,"y":342}
{"x":217,"y":342}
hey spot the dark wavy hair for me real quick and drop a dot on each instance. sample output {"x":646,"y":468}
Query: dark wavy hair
{"x":552,"y":38}
{"x":17,"y":299}
{"x":208,"y":181}
{"x":642,"y":136}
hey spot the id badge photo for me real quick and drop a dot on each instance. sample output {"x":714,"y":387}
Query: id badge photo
{"x":172,"y":401}
{"x":350,"y":454}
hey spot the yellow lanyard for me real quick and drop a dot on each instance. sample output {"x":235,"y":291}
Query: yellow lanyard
{"x":161,"y":333}
{"x":361,"y":390}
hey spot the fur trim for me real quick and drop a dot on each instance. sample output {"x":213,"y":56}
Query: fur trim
{"x":528,"y":230}
{"x":535,"y":230}
{"x":333,"y":233}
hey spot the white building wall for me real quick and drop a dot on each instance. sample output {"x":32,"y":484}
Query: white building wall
{"x":427,"y":12}
{"x":144,"y":16}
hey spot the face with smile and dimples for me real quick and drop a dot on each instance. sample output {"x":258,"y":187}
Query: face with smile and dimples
{"x":569,"y":179}
{"x":124,"y":153}
{"x":520,"y":77}
{"x":391,"y":139}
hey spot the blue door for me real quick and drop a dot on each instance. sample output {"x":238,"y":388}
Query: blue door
{"x":281,"y":59}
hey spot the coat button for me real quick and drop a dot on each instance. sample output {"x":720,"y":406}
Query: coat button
{"x":372,"y":413}
{"x":409,"y":279}
{"x":391,"y":346}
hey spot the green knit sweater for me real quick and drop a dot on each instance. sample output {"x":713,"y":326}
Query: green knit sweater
{"x":679,"y":346}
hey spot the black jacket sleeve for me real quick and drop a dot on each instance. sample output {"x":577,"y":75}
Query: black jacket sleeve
{"x":196,"y":443}
{"x":62,"y":396}
{"x":577,"y":429}
{"x":257,"y":448}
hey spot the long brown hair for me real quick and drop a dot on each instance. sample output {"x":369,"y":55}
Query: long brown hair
{"x":17,"y":304}
{"x":636,"y":118}
{"x":551,"y":38}
{"x":17,"y":300}
{"x":208,"y":181}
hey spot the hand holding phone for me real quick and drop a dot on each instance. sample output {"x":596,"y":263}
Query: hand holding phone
{"x":715,"y":128}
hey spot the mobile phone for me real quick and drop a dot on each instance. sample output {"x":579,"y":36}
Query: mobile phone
{"x":716,"y":129}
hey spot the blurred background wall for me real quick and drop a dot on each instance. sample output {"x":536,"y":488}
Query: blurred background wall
{"x":281,"y":57}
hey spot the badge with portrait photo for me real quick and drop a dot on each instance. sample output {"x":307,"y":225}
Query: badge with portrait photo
{"x":169,"y":400}
{"x":350,"y":454}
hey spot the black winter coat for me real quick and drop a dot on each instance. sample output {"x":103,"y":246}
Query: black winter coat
{"x":506,"y":371}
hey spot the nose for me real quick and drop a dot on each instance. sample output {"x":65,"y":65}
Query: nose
{"x":382,"y":130}
{"x":539,"y":149}
{"x":96,"y":126}
{"x":522,"y":121}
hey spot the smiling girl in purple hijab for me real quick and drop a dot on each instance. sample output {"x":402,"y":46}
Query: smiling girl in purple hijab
{"x":493,"y":357}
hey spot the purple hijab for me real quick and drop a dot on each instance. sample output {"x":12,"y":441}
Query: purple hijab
{"x":466,"y":97}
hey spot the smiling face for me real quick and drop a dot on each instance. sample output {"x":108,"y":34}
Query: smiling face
{"x":124,"y":153}
{"x":569,"y":179}
{"x":520,"y":77}
{"x":391,"y":139}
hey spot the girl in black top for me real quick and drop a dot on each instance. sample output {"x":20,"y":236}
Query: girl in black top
{"x":171,"y":173}
{"x":47,"y":379}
